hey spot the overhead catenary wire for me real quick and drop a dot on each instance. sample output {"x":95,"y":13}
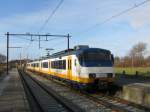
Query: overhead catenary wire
{"x":1,"y":36}
{"x":47,"y":20}
{"x":50,"y":16}
{"x":22,"y":38}
{"x":33,"y":39}
{"x":114,"y":16}
{"x":58,"y":43}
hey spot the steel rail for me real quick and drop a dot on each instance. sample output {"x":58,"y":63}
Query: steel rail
{"x":64,"y":102}
{"x":100,"y":100}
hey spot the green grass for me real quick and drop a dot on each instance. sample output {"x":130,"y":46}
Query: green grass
{"x":132,"y":71}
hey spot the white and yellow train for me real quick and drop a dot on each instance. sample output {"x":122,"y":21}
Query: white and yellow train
{"x":81,"y":66}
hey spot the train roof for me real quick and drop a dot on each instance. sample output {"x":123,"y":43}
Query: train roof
{"x":73,"y":51}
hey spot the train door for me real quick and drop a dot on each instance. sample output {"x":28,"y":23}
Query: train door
{"x":69,"y":75}
{"x":49,"y":70}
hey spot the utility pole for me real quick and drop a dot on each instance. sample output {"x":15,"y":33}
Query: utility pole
{"x":7,"y":53}
{"x":27,"y":57}
{"x":68,"y":41}
{"x":20,"y":59}
{"x":44,"y":35}
{"x":39,"y":42}
{"x":39,"y":39}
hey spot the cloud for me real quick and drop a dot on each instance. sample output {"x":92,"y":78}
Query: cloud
{"x":140,"y":17}
{"x":63,"y":20}
{"x":78,"y":15}
{"x":136,"y":18}
{"x":72,"y":16}
{"x":21,"y":22}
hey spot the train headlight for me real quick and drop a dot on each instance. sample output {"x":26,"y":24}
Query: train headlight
{"x":92,"y":75}
{"x":109,"y":75}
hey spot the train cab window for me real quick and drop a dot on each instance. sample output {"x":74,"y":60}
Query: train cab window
{"x":112,"y":58}
{"x":45,"y":64}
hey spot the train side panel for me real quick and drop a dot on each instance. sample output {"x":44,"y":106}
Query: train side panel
{"x":72,"y":70}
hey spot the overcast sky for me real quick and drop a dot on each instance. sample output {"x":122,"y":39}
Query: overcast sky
{"x":76,"y":17}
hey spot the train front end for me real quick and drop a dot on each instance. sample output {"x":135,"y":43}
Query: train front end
{"x":96,"y":65}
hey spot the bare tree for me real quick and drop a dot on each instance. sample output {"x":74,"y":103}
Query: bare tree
{"x":137,"y":54}
{"x":138,"y":49}
{"x":117,"y":61}
{"x":147,"y":61}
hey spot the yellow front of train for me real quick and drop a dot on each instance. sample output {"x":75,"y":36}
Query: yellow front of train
{"x":95,"y":67}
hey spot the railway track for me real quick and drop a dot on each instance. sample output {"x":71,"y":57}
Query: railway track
{"x":108,"y":102}
{"x":43,"y":99}
{"x":116,"y":104}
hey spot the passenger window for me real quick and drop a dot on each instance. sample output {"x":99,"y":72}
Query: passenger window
{"x":45,"y":65}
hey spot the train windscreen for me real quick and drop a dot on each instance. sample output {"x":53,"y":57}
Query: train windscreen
{"x":96,"y":56}
{"x":95,"y":59}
